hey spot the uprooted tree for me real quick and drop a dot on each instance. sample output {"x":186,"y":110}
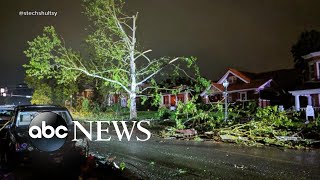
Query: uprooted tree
{"x":113,"y":54}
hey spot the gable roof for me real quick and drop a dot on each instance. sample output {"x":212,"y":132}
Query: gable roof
{"x":311,"y":55}
{"x":237,"y":73}
{"x":254,"y":84}
{"x":253,"y":81}
{"x":218,"y":86}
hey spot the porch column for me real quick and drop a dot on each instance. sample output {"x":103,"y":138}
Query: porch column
{"x":206,"y":99}
{"x":309,"y":100}
{"x":109,"y":100}
{"x":177,"y":100}
{"x":297,"y":102}
{"x":162,"y":100}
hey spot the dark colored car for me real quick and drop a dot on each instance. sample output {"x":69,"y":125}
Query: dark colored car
{"x":6,"y":112}
{"x":15,"y":141}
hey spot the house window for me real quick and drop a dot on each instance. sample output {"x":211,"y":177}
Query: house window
{"x":165,"y":100}
{"x":181,"y":97}
{"x":213,"y":98}
{"x":123,"y":102}
{"x":243,"y":96}
{"x":311,"y":71}
{"x":232,"y":79}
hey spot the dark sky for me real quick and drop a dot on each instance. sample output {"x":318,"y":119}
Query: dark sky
{"x":250,"y":35}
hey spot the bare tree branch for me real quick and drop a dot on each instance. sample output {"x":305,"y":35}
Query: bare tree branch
{"x":152,"y":87}
{"x":156,"y":72}
{"x":144,"y":70}
{"x":143,"y":54}
{"x":184,"y":72}
{"x":97,"y":76}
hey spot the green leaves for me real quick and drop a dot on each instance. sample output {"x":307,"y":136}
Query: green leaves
{"x":42,"y":95}
{"x":112,"y":55}
{"x":272,"y":115}
{"x":42,"y":54}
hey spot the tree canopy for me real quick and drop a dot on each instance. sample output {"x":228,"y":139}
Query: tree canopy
{"x":114,"y":56}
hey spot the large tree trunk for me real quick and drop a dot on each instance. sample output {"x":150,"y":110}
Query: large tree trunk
{"x":133,"y":93}
{"x":133,"y":106}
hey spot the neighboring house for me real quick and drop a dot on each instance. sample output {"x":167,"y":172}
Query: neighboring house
{"x":243,"y":86}
{"x":122,"y":98}
{"x":167,"y":99}
{"x":308,"y":93}
{"x":87,"y":92}
{"x":171,"y":100}
{"x":116,"y":98}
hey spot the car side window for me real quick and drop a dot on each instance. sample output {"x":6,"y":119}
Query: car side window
{"x":25,"y":118}
{"x":64,"y":115}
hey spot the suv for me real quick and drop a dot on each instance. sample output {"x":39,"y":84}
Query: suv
{"x":15,"y":143}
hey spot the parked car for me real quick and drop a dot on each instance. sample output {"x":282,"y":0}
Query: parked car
{"x":6,"y":112}
{"x":15,"y":142}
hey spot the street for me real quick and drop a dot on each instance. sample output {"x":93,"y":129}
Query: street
{"x":160,"y":158}
{"x":174,"y":159}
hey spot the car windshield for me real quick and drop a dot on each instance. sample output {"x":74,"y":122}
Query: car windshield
{"x":25,"y":117}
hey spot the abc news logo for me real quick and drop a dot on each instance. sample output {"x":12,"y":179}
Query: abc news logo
{"x":48,"y":131}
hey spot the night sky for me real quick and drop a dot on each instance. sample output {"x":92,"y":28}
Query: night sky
{"x":249,"y":35}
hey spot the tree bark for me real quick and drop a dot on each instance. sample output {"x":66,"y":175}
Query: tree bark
{"x":133,"y":106}
{"x":133,"y":93}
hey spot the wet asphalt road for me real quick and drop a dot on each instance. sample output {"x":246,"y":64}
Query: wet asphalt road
{"x":174,"y":159}
{"x":158,"y":158}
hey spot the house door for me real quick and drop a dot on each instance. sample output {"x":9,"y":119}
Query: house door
{"x":173,"y":100}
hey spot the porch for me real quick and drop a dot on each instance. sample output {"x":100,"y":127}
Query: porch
{"x":312,"y":96}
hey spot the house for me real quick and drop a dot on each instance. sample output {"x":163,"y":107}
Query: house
{"x":243,"y":87}
{"x":88,"y":92}
{"x":168,"y":99}
{"x":171,"y":100}
{"x":308,"y":93}
{"x":115,"y":98}
{"x":122,"y":98}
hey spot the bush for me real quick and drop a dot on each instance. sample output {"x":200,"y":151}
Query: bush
{"x":165,"y":113}
{"x":85,"y":105}
{"x":274,"y":117}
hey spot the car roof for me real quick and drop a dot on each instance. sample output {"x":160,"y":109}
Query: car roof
{"x":40,"y":108}
{"x":7,"y":107}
